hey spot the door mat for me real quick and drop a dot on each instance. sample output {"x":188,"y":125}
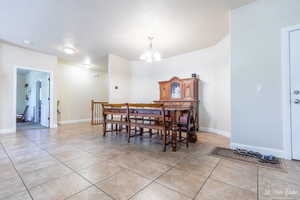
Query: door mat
{"x":229,"y":154}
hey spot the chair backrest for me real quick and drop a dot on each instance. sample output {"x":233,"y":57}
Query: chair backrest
{"x":25,"y":110}
{"x":115,"y":110}
{"x":147,"y":110}
{"x":184,"y":118}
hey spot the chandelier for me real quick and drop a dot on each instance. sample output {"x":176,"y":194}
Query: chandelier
{"x":150,"y":54}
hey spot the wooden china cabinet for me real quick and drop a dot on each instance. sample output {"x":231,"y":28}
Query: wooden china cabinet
{"x":181,"y":93}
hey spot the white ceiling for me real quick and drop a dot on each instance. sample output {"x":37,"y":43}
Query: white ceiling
{"x":121,"y":27}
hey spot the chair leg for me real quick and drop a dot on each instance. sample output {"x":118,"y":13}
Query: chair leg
{"x":165,"y":141}
{"x":180,"y":134}
{"x":141,"y":131}
{"x":187,"y":138}
{"x":129,"y":134}
{"x":104,"y":129}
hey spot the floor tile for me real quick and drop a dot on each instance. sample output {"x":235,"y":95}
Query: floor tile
{"x":156,"y":191}
{"x":237,"y":174}
{"x":36,"y":164}
{"x":3,"y":155}
{"x":44,"y":175}
{"x":91,"y":193}
{"x":25,"y":152}
{"x":68,"y":154}
{"x":150,"y":168}
{"x":105,"y":152}
{"x":99,"y":171}
{"x":203,"y":166}
{"x":30,"y":156}
{"x":292,"y":166}
{"x":216,"y":190}
{"x":59,"y":189}
{"x":185,"y":181}
{"x":124,"y":170}
{"x":7,"y":170}
{"x":278,"y":185}
{"x":201,"y":150}
{"x":20,"y":196}
{"x":284,"y":176}
{"x":10,"y":187}
{"x":8,"y":173}
{"x":123,"y":185}
{"x":169,"y":158}
{"x":82,"y":162}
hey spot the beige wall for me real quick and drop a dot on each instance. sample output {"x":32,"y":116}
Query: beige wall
{"x":213,"y":67}
{"x":256,"y":83}
{"x":139,"y":82}
{"x":77,"y":87}
{"x":119,"y":75}
{"x":10,"y":57}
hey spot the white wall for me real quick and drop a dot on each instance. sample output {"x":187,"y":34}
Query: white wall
{"x":77,"y":87}
{"x":10,"y":57}
{"x":139,"y":82}
{"x":256,"y":63}
{"x":119,"y":75}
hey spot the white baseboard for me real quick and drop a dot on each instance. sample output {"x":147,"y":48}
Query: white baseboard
{"x":8,"y":130}
{"x":216,"y":131}
{"x":73,"y":121}
{"x":262,"y":150}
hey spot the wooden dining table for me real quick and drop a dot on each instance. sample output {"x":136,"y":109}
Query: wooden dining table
{"x":173,"y":112}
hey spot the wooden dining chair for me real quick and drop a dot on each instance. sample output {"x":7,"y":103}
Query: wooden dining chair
{"x":153,"y":118}
{"x":116,"y":115}
{"x":184,"y":125}
{"x":21,"y":117}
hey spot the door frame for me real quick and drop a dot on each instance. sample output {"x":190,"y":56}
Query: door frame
{"x":52,"y":124}
{"x":286,"y":89}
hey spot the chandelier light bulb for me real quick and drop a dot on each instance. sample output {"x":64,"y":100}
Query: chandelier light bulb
{"x":150,"y":55}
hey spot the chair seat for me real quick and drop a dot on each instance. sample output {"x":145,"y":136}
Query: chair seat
{"x":158,"y":126}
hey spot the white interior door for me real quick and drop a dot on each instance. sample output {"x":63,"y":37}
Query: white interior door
{"x":295,"y":92}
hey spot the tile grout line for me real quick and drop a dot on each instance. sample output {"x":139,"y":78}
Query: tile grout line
{"x":154,"y":181}
{"x":207,"y":179}
{"x":143,"y":188}
{"x":92,"y":184}
{"x":19,"y":175}
{"x":150,"y":183}
{"x":240,"y":188}
{"x":169,"y":188}
{"x":79,"y":192}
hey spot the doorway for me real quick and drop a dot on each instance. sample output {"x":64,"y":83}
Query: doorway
{"x":32,"y":99}
{"x":291,"y":91}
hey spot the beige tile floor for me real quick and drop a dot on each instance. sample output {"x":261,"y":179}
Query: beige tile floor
{"x":75,"y":162}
